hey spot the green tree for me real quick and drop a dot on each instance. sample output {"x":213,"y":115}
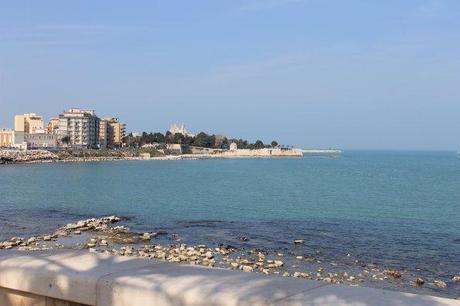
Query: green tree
{"x":66,"y":139}
{"x":259,"y":144}
{"x":274,"y":144}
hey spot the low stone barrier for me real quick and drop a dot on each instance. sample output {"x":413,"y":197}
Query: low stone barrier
{"x":82,"y":278}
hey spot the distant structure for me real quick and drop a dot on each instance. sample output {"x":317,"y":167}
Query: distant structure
{"x":28,"y":123}
{"x":53,"y":125}
{"x":111,"y":132}
{"x":6,"y":138}
{"x":233,"y":146}
{"x":81,"y":126}
{"x":180,"y":129}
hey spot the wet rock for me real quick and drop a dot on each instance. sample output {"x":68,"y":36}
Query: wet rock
{"x":146,"y":236}
{"x":31,"y":240}
{"x":393,"y":273}
{"x":418,"y":282}
{"x":456,"y":279}
{"x":299,"y":241}
{"x":247,"y":268}
{"x":47,"y":238}
{"x":440,"y":284}
{"x":278,"y":263}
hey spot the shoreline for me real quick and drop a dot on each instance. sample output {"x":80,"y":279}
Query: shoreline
{"x":104,"y":235}
{"x":166,"y":157}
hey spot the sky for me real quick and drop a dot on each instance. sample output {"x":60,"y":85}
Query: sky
{"x":355,"y":74}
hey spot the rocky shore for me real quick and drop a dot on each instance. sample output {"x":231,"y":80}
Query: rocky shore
{"x":104,"y":235}
{"x":44,"y":156}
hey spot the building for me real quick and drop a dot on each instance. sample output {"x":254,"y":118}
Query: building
{"x":233,"y":146}
{"x":115,"y":132}
{"x":28,"y":123}
{"x":79,"y":128}
{"x":35,"y":140}
{"x":6,"y":138}
{"x":53,"y":125}
{"x":103,"y":130}
{"x":180,"y":129}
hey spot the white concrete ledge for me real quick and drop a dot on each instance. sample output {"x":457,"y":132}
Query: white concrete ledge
{"x":102,"y":280}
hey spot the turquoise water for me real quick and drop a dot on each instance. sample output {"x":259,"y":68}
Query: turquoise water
{"x":396,"y":209}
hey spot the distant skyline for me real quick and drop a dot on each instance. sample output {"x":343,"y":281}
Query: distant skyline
{"x":356,"y":74}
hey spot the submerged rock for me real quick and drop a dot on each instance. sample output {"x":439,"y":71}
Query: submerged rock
{"x":440,"y":284}
{"x":393,"y":273}
{"x":419,"y":282}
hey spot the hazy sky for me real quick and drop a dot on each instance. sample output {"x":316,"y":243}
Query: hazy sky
{"x":366,"y":74}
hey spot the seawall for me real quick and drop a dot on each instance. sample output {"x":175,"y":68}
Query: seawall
{"x":82,"y":278}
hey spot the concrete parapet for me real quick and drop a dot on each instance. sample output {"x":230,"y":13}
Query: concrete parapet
{"x":71,"y":278}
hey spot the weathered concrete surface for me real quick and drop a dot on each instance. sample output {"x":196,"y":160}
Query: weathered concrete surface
{"x":10,"y":297}
{"x":97,"y":279}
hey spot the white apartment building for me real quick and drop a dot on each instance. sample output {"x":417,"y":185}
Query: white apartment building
{"x":81,"y":126}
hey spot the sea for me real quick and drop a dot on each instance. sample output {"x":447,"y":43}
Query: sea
{"x":355,"y":211}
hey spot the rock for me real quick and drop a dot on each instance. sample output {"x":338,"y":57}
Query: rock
{"x":393,"y":273}
{"x":299,"y":241}
{"x":47,"y":238}
{"x":299,"y":257}
{"x":456,"y":279}
{"x":419,"y":282}
{"x":77,"y":232}
{"x":104,"y":242}
{"x":31,"y":240}
{"x":146,"y":236}
{"x":278,"y":263}
{"x":209,"y":255}
{"x":247,"y":268}
{"x":440,"y":284}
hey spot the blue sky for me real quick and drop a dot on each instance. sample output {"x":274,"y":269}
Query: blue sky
{"x":355,"y":74}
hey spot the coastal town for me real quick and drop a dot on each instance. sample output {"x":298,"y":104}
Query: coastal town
{"x":79,"y":134}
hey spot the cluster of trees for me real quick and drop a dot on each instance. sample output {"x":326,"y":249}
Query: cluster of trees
{"x":200,"y":140}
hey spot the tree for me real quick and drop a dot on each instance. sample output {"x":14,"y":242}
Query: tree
{"x":204,"y":140}
{"x":66,"y":139}
{"x":158,"y":138}
{"x":259,"y":144}
{"x":274,"y":143}
{"x":178,"y":138}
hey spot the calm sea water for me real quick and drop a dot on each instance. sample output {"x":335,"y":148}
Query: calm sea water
{"x":395,"y":209}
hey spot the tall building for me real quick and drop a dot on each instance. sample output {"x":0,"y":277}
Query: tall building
{"x":114,"y":133}
{"x":28,"y":123}
{"x":81,"y":126}
{"x":53,"y":125}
